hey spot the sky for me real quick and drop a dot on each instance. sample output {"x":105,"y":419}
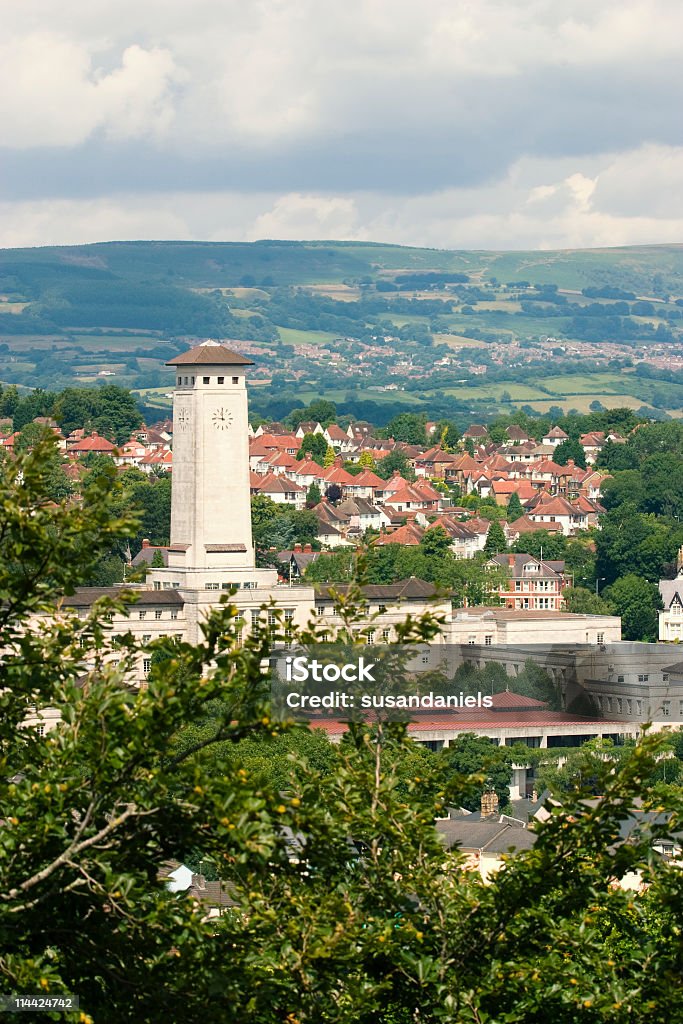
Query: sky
{"x":487,"y":124}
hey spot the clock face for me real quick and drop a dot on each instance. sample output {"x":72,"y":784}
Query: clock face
{"x":222,"y":419}
{"x":184,"y":418}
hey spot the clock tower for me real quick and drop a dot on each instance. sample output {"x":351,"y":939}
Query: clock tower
{"x":210,"y":504}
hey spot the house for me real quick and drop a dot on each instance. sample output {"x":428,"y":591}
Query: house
{"x":410,"y":533}
{"x":93,"y":443}
{"x":555,"y":436}
{"x":338,"y":438}
{"x":513,"y":531}
{"x":434,"y":463}
{"x":282,"y":491}
{"x":475,"y":432}
{"x":298,"y":559}
{"x":671,"y":616}
{"x":548,"y":508}
{"x":517,"y":435}
{"x":465,"y":542}
{"x":533,"y":583}
{"x":363,"y":515}
{"x":308,"y":427}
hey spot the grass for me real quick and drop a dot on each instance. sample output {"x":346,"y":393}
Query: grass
{"x":517,"y":392}
{"x":294,"y":337}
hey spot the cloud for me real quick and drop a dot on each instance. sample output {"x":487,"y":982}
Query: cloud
{"x":502,"y":123}
{"x":53,"y":95}
{"x":538,"y":204}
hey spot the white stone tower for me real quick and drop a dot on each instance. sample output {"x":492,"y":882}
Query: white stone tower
{"x":211,"y":549}
{"x":210,"y":513}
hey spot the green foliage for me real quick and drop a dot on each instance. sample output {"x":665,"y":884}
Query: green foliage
{"x":319,"y":411}
{"x":347,"y":908}
{"x":582,"y":601}
{"x":316,"y":445}
{"x":409,"y":427}
{"x":313,"y":496}
{"x":393,"y":462}
{"x":496,"y":542}
{"x":476,"y":755}
{"x":514,"y":509}
{"x":280,"y":526}
{"x":570,"y":449}
{"x":637,"y":602}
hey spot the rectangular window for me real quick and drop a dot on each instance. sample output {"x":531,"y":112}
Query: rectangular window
{"x":488,"y":640}
{"x":186,"y":381}
{"x":620,"y":679}
{"x":601,"y":638}
{"x":142,"y":615}
{"x":146,"y":637}
{"x":319,"y":609}
{"x":211,"y":586}
{"x":370,"y":637}
{"x":382,"y":608}
{"x":386,"y":636}
{"x":174,"y":613}
{"x":157,"y":585}
{"x":620,"y":705}
{"x":643,"y":678}
{"x":235,"y":380}
{"x":146,"y":665}
{"x":206,"y":380}
{"x":425,"y":659}
{"x":639,"y":707}
{"x":192,"y":380}
{"x":666,"y":708}
{"x":180,"y":381}
{"x":157,"y":613}
{"x":629,"y":707}
{"x":221,"y":380}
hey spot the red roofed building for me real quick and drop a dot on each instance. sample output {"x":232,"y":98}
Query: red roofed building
{"x":410,"y":533}
{"x":94,"y":442}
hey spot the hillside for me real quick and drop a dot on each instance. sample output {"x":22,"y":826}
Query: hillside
{"x":377,"y":328}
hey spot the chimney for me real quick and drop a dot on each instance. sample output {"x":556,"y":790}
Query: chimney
{"x":489,"y":802}
{"x":145,"y":542}
{"x":511,"y":561}
{"x":308,"y":549}
{"x":534,"y":795}
{"x":297,"y":549}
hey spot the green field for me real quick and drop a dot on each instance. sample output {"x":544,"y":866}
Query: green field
{"x":293,"y":337}
{"x":517,"y":392}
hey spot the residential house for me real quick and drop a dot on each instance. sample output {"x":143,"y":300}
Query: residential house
{"x":533,"y":583}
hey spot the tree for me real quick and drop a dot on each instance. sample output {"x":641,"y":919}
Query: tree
{"x":366,"y":460}
{"x":475,"y":755}
{"x":334,"y":493}
{"x":330,"y":456}
{"x":637,"y":602}
{"x":313,"y":495}
{"x":316,"y":445}
{"x":319,"y":411}
{"x":436,"y":542}
{"x":514,"y":508}
{"x":393,"y":462}
{"x":570,"y":449}
{"x":495,"y":540}
{"x":409,"y":427}
{"x":582,"y":601}
{"x":347,"y":907}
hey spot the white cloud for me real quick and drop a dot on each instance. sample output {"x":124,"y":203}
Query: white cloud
{"x":540,"y":204}
{"x":54,"y":95}
{"x":307,"y":216}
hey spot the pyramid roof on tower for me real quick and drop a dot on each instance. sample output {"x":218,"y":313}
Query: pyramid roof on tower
{"x":210,"y":353}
